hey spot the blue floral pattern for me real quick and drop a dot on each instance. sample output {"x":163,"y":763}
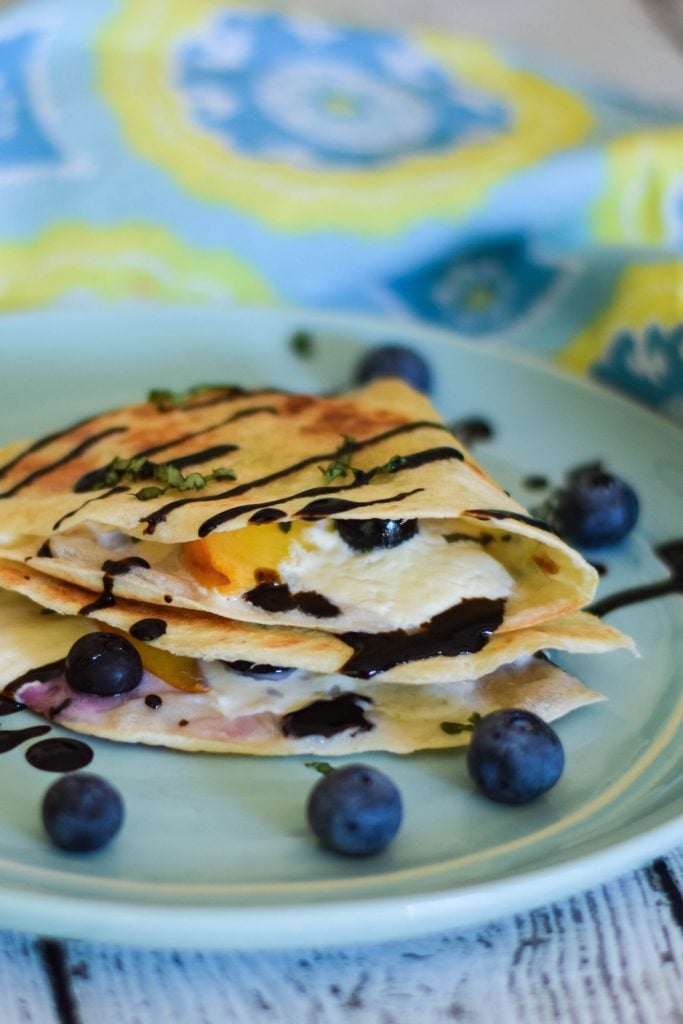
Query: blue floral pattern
{"x":318,"y":96}
{"x":481,"y":291}
{"x":25,"y":140}
{"x":648,"y":364}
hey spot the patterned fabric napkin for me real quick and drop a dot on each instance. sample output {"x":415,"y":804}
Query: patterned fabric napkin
{"x":203,"y":151}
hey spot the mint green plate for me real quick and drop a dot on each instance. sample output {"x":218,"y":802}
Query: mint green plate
{"x":215,"y":851}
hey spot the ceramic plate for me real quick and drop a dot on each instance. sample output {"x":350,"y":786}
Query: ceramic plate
{"x":215,"y":851}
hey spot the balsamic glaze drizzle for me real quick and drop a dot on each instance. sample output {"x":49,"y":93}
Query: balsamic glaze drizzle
{"x":119,"y":489}
{"x":148,"y":629}
{"x":463,"y":629}
{"x":266,"y":515}
{"x":90,"y":480}
{"x":105,"y":600}
{"x":162,"y":513}
{"x":9,"y":706}
{"x":11,"y":738}
{"x":43,"y":442}
{"x":59,"y":754}
{"x":328,"y":717}
{"x":671,"y":553}
{"x":75,"y":453}
{"x":277,"y":597}
{"x":42,"y":674}
{"x":121,"y":566}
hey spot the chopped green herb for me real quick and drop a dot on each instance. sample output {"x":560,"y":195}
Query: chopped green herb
{"x":140,"y":468}
{"x":302,"y":344}
{"x":147,"y":493}
{"x":165,"y":399}
{"x":319,"y":766}
{"x":341,"y":466}
{"x":395,"y":463}
{"x":454,"y":538}
{"x":455,"y":728}
{"x":336,"y":469}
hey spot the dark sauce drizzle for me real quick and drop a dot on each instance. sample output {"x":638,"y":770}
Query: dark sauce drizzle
{"x":59,"y":755}
{"x":43,"y":442}
{"x":277,"y":597}
{"x":119,"y":489}
{"x":535,"y":482}
{"x":11,"y":738}
{"x":96,"y":477}
{"x":121,"y":566}
{"x":75,"y":453}
{"x":266,"y":515}
{"x":328,"y":717}
{"x":161,"y":514}
{"x":324,"y":507}
{"x":58,"y":708}
{"x":42,"y":674}
{"x":464,"y":629}
{"x":9,"y":706}
{"x":671,"y":553}
{"x":105,"y":600}
{"x":44,"y":551}
{"x":472,"y":429}
{"x":148,"y":629}
{"x":153,"y":701}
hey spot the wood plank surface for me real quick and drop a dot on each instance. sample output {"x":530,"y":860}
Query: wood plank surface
{"x":614,"y":954}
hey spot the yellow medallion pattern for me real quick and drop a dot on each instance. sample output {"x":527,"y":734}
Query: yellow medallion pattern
{"x":120,"y":263}
{"x":443,"y":164}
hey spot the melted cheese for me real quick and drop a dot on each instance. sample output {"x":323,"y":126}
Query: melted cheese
{"x":404,"y":586}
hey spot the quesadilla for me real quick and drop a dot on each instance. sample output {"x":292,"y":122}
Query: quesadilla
{"x":198,"y":704}
{"x":358,"y":516}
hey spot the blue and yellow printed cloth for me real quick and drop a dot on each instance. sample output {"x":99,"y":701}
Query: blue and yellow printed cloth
{"x":209,"y":151}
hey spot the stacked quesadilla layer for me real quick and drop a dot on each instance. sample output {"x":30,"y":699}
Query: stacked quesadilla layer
{"x":372,"y":584}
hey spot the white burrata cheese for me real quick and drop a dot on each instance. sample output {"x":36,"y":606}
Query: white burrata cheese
{"x":402,"y":586}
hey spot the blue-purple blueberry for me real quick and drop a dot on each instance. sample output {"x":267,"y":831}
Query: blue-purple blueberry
{"x":396,"y":361}
{"x":103,"y":664}
{"x":355,"y":810}
{"x":595,"y":507}
{"x":514,"y":756}
{"x":82,"y":812}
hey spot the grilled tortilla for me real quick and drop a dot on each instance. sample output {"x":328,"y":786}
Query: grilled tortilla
{"x":209,"y":637}
{"x":141,"y":502}
{"x":196,"y":704}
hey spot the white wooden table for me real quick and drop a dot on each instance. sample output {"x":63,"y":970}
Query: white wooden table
{"x":614,"y":954}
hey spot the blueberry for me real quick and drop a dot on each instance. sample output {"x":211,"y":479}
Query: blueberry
{"x":595,"y":507}
{"x":249,"y":668}
{"x":82,"y":812}
{"x":514,"y":756}
{"x":355,"y":810}
{"x":395,"y":361}
{"x":366,"y":534}
{"x":104,"y":664}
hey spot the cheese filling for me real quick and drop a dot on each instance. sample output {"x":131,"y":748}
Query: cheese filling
{"x":372,"y":591}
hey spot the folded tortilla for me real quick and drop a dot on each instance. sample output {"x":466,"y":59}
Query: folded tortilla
{"x":264,"y":547}
{"x":196,"y":704}
{"x":200,"y":635}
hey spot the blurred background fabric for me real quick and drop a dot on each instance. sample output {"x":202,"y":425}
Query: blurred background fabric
{"x":202,"y":151}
